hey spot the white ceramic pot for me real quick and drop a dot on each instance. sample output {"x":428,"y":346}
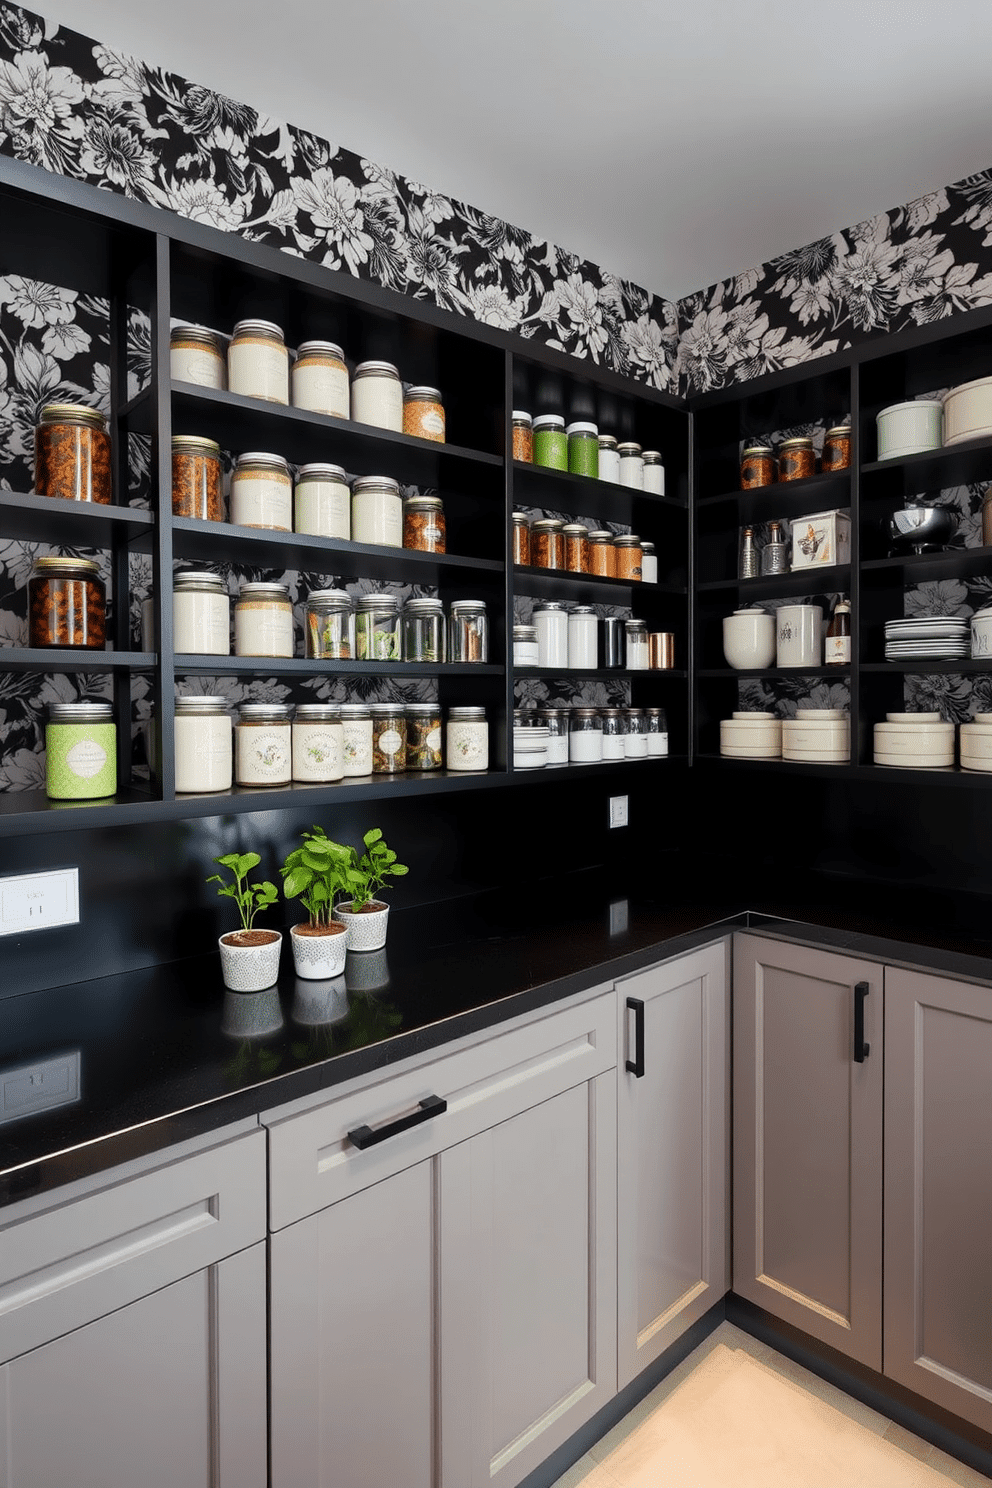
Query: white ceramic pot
{"x":981,"y":633}
{"x":319,"y":957}
{"x":749,"y":639}
{"x":968,"y":411}
{"x":751,"y":736}
{"x":367,"y":931}
{"x":909,"y":428}
{"x":251,"y":1014}
{"x":319,"y":1002}
{"x":250,"y":968}
{"x":799,"y":636}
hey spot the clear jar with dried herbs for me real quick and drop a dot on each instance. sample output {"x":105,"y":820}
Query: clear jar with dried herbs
{"x":196,"y":355}
{"x":521,"y":537}
{"x":602,"y":554}
{"x":320,"y":379}
{"x":197,"y":478}
{"x":468,"y":631}
{"x":423,"y":413}
{"x":258,"y":361}
{"x":377,"y":628}
{"x":423,"y":630}
{"x":523,"y":437}
{"x":576,"y":540}
{"x":262,"y":492}
{"x":329,"y":625}
{"x":67,"y":604}
{"x":423,"y":736}
{"x":627,"y":557}
{"x":388,"y":738}
{"x":72,"y":454}
{"x":424,"y":528}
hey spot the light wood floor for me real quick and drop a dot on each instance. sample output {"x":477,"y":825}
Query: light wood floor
{"x":736,"y":1414}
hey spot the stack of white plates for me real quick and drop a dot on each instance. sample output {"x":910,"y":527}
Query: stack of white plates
{"x":930,"y":638}
{"x":751,"y":736}
{"x":976,"y":743}
{"x":822,"y":735}
{"x":530,"y":747}
{"x":914,"y":741}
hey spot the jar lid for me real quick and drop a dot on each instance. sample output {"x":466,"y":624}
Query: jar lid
{"x":548,"y":524}
{"x":465,"y":713}
{"x":199,"y":335}
{"x":254,"y":590}
{"x":845,"y":605}
{"x":839,"y":431}
{"x":549,"y":421}
{"x":647,"y":547}
{"x":192,"y":578}
{"x":583,"y":428}
{"x":659,"y":713}
{"x":613,"y":712}
{"x":796,"y":444}
{"x":525,"y":633}
{"x":373,"y":602}
{"x":422,"y":395}
{"x":82,"y":567}
{"x":201,"y":704}
{"x":276,"y":711}
{"x":523,"y":520}
{"x":522,"y":418}
{"x":575,"y":529}
{"x":337,"y":597}
{"x":387,"y":710}
{"x":636,"y":625}
{"x":195,"y":444}
{"x":757,"y":449}
{"x":73,"y":413}
{"x":266,"y":328}
{"x":422,"y":710}
{"x":634,"y":712}
{"x":651,"y":457}
{"x":607,"y":442}
{"x":423,"y":607}
{"x":468,"y":606}
{"x":80,"y":712}
{"x":260,"y":459}
{"x":381,"y":483}
{"x":377,"y":369}
{"x":322,"y":472}
{"x":552,"y":712}
{"x":631,"y":447}
{"x":354,"y":710}
{"x":320,"y":348}
{"x":550,"y":604}
{"x":585,"y":713}
{"x":583,"y":610}
{"x":600,"y":535}
{"x":317,"y":713}
{"x":422,"y":503}
{"x":627,"y":540}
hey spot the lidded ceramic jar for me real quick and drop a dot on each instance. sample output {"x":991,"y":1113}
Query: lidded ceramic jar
{"x":749,"y":639}
{"x":322,"y":502}
{"x":258,"y":361}
{"x":201,"y":614}
{"x":263,"y":621}
{"x":262,"y":492}
{"x":320,"y":379}
{"x":196,"y":355}
{"x":263,"y":749}
{"x":80,"y":752}
{"x":467,"y":739}
{"x":204,"y":744}
{"x":356,"y":732}
{"x":377,"y":511}
{"x":377,"y":396}
{"x":318,"y":743}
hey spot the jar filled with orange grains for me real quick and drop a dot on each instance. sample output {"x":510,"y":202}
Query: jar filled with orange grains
{"x":423,"y":413}
{"x":523,"y":436}
{"x":837,"y":448}
{"x":602,"y":555}
{"x":627,"y":555}
{"x":576,"y":547}
{"x":521,"y":537}
{"x":197,"y":489}
{"x":547,"y":544}
{"x":72,"y":454}
{"x":67,"y":604}
{"x":757,"y":466}
{"x":424,"y":526}
{"x":796,"y":459}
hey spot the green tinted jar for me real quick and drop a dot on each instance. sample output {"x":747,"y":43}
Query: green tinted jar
{"x":550,"y":442}
{"x":583,"y":450}
{"x":81,"y":752}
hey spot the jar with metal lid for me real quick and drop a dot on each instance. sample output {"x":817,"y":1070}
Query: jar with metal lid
{"x":263,"y":745}
{"x":356,"y":728}
{"x":602,"y":554}
{"x":547,"y":543}
{"x":585,"y":736}
{"x":576,"y":538}
{"x":636,"y":645}
{"x":318,"y":743}
{"x":635,"y":741}
{"x":67,"y":604}
{"x":836,"y":448}
{"x":521,"y":537}
{"x":583,"y":634}
{"x":388,"y":738}
{"x":523,"y":436}
{"x":550,"y":442}
{"x":609,"y":459}
{"x":201,"y":614}
{"x":614,"y":733}
{"x":423,"y":630}
{"x":377,"y":628}
{"x":796,"y":459}
{"x":322,"y":502}
{"x":468,"y":632}
{"x":423,"y":736}
{"x":627,"y":556}
{"x":657,"y":732}
{"x":654,"y":472}
{"x":649,"y":563}
{"x":258,"y":361}
{"x":556,"y":721}
{"x":320,"y":379}
{"x":204,"y":744}
{"x":263,"y":621}
{"x":72,"y":454}
{"x":196,"y":355}
{"x":329,"y":625}
{"x":197,"y":478}
{"x":467,"y":739}
{"x":423,"y":413}
{"x":530,"y":746}
{"x":424,"y":528}
{"x":631,"y":465}
{"x":551,"y":624}
{"x":758,"y":466}
{"x":525,"y":652}
{"x":377,"y":511}
{"x":583,"y":449}
{"x":377,"y":396}
{"x":262,"y":492}
{"x":80,"y":752}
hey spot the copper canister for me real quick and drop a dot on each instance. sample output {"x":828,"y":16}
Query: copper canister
{"x":837,"y":448}
{"x":757,"y":466}
{"x":661,"y":650}
{"x":602,"y":554}
{"x":576,"y":547}
{"x":796,"y":460}
{"x":521,"y":538}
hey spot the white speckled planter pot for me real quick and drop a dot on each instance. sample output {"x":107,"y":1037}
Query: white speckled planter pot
{"x":319,"y":957}
{"x":366,"y":932}
{"x":250,"y":968}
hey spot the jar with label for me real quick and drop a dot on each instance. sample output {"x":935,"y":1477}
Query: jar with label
{"x":657,"y":732}
{"x":585,"y":736}
{"x":609,"y":459}
{"x":262,"y":492}
{"x":775,"y":554}
{"x":547,"y":543}
{"x":631,"y":465}
{"x":424,"y":528}
{"x":423,"y":630}
{"x":263,"y":746}
{"x":204,"y":744}
{"x":550,"y":442}
{"x":467,"y":739}
{"x":796,"y":459}
{"x":67,"y":604}
{"x":837,"y":645}
{"x":388,"y":738}
{"x":525,"y":653}
{"x":322,"y":502}
{"x":654,"y":472}
{"x":836,"y":448}
{"x":649,"y":563}
{"x":583,"y":449}
{"x":758,"y":467}
{"x":377,"y":396}
{"x":556,"y":721}
{"x":627,"y":556}
{"x":263,"y":621}
{"x":72,"y":454}
{"x":320,"y":379}
{"x":329,"y":625}
{"x":377,"y":511}
{"x":377,"y":628}
{"x":423,"y":413}
{"x":551,"y":624}
{"x":583,"y":635}
{"x":523,"y":437}
{"x":258,"y":361}
{"x":318,"y":743}
{"x":521,"y":537}
{"x":196,"y":355}
{"x":602,"y":555}
{"x":468,"y":631}
{"x":614,"y":733}
{"x":80,"y":752}
{"x":201,"y":614}
{"x":576,"y":538}
{"x":635,"y":740}
{"x":636,"y":632}
{"x":356,"y":730}
{"x":423,"y":736}
{"x":197,"y":478}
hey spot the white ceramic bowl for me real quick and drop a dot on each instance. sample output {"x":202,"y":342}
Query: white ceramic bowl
{"x":968,"y":411}
{"x":909,"y":428}
{"x":749,"y":639}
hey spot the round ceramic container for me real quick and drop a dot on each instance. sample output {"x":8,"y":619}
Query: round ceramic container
{"x":928,"y":745}
{"x":909,"y":428}
{"x":913,"y":719}
{"x":981,"y":633}
{"x":913,"y":761}
{"x":749,"y":639}
{"x":829,"y":740}
{"x":968,"y":411}
{"x":754,"y":736}
{"x":976,"y":743}
{"x":749,"y":751}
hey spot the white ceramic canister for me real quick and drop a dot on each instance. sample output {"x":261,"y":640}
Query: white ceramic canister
{"x":609,"y":459}
{"x":981,"y":633}
{"x":201,"y":614}
{"x":262,"y":492}
{"x":799,"y":635}
{"x":649,"y":563}
{"x":909,"y":428}
{"x":322,"y":502}
{"x":263,"y":750}
{"x":356,"y":739}
{"x":320,"y":380}
{"x":467,"y":739}
{"x":258,"y":361}
{"x":197,"y":355}
{"x":583,"y":635}
{"x":749,"y":639}
{"x":204,"y":744}
{"x":654,"y":473}
{"x":377,"y":511}
{"x":585,"y":736}
{"x":631,"y":465}
{"x":968,"y":411}
{"x":377,"y":396}
{"x":976,"y":743}
{"x":318,"y":743}
{"x":551,"y":624}
{"x":263,"y":621}
{"x":525,"y":652}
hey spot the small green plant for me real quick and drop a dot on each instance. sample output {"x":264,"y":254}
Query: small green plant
{"x":250,"y":897}
{"x":316,"y":873}
{"x":367,"y":874}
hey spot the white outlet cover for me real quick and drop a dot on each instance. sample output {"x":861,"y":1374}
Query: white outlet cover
{"x":39,"y":901}
{"x":619,"y":811}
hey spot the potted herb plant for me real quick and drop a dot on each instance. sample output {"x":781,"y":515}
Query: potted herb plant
{"x":364,"y":913}
{"x":249,"y":958}
{"x":316,"y":873}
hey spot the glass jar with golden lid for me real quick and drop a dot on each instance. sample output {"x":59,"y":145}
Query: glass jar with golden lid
{"x":67,"y":604}
{"x":796,"y":459}
{"x":196,"y":355}
{"x":758,"y":466}
{"x":72,"y":454}
{"x":837,"y":448}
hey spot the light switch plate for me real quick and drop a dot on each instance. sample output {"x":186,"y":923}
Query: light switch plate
{"x":39,"y":901}
{"x":619,"y":811}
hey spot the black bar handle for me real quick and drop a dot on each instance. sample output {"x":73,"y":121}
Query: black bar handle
{"x":861,"y":1049}
{"x":365,"y":1136}
{"x":636,"y":1065}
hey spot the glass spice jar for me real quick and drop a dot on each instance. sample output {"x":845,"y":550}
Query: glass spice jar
{"x":377,"y":511}
{"x":197,"y":478}
{"x":423,"y":630}
{"x":423,"y":413}
{"x":67,"y":604}
{"x":197,"y":355}
{"x":258,"y":362}
{"x":796,"y":460}
{"x":556,"y":720}
{"x":635,"y":741}
{"x":263,"y":747}
{"x":388,"y":738}
{"x":631,"y":465}
{"x":468,"y":632}
{"x":329,"y":625}
{"x":521,"y":537}
{"x":80,"y":752}
{"x":523,"y":437}
{"x":377,"y":396}
{"x":649,"y":563}
{"x":204,"y":744}
{"x":72,"y":454}
{"x":627,"y":556}
{"x":583,"y":449}
{"x":356,"y":730}
{"x":636,"y":645}
{"x":550,"y":442}
{"x":602,"y":554}
{"x":423,"y":736}
{"x":525,"y":651}
{"x":547,"y":543}
{"x":576,"y":538}
{"x":318,"y":743}
{"x":377,"y":628}
{"x":320,"y":379}
{"x":467,"y":739}
{"x":263,"y":621}
{"x":836,"y":448}
{"x":322,"y":502}
{"x":758,"y":466}
{"x":657,"y":732}
{"x":609,"y":459}
{"x":585,"y":736}
{"x":654,"y":472}
{"x":614,"y":732}
{"x":424,"y":527}
{"x":201,"y":614}
{"x":262,"y":492}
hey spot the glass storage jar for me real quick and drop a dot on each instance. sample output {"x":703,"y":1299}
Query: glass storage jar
{"x":636,"y":645}
{"x":318,"y":743}
{"x":649,"y":563}
{"x":424,"y":527}
{"x":583,"y":449}
{"x":530,"y":746}
{"x":204,"y":744}
{"x":576,"y":540}
{"x":377,"y":511}
{"x":609,"y":459}
{"x":258,"y":361}
{"x":583,"y":635}
{"x":262,"y":492}
{"x":602,"y":556}
{"x":196,"y":355}
{"x":585,"y":736}
{"x":654,"y":473}
{"x":197,"y":478}
{"x":263,"y":621}
{"x":423,"y":736}
{"x":72,"y":454}
{"x":521,"y":537}
{"x":467,"y":739}
{"x":320,"y":379}
{"x":423,"y":630}
{"x":67,"y":604}
{"x":636,"y":737}
{"x":555,"y":720}
{"x":468,"y":631}
{"x":356,"y":729}
{"x":631,"y":465}
{"x":614,"y":733}
{"x":377,"y":396}
{"x":377,"y":628}
{"x":796,"y":459}
{"x":329,"y":625}
{"x":627,"y":555}
{"x":525,"y":653}
{"x":550,"y":442}
{"x":423,"y":413}
{"x":836,"y":448}
{"x":263,"y":748}
{"x":322,"y":502}
{"x":388,"y":738}
{"x":551,"y":624}
{"x":201,"y":614}
{"x":80,"y":752}
{"x":523,"y":437}
{"x":547,"y":543}
{"x":657,"y":732}
{"x":758,"y":466}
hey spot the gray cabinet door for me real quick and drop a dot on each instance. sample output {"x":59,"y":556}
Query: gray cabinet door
{"x":808,"y":1142}
{"x":938,"y":1191}
{"x":673,"y":1180}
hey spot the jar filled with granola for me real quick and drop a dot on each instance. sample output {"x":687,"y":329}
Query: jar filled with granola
{"x":263,"y":746}
{"x":547,"y":543}
{"x":67,"y":604}
{"x":523,"y":437}
{"x":796,"y":459}
{"x":423,"y":736}
{"x":322,"y":502}
{"x":521,"y":537}
{"x":262,"y":492}
{"x":576,"y":538}
{"x":377,"y":396}
{"x":836,"y":448}
{"x":423,"y":630}
{"x":602,"y":554}
{"x":258,"y":361}
{"x":467,"y":741}
{"x":263,"y":621}
{"x":197,"y":478}
{"x":424,"y":527}
{"x":423,"y":413}
{"x":468,"y":634}
{"x":320,"y":379}
{"x":758,"y":467}
{"x":318,"y":743}
{"x":329,"y":625}
{"x":356,"y":732}
{"x":72,"y":454}
{"x":377,"y":628}
{"x":197,"y":355}
{"x":388,"y":738}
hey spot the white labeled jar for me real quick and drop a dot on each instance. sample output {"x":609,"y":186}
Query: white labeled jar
{"x":614,"y":733}
{"x":556,"y":721}
{"x":468,"y":631}
{"x":318,"y":743}
{"x":657,"y":732}
{"x":551,"y":624}
{"x":356,"y":739}
{"x":467,"y":739}
{"x":653,"y":472}
{"x":631,"y":465}
{"x":637,"y":645}
{"x":525,"y":652}
{"x":585,"y":736}
{"x":649,"y":563}
{"x":377,"y":511}
{"x":201,"y":614}
{"x":258,"y":361}
{"x":423,"y":413}
{"x":322,"y":502}
{"x":204,"y":744}
{"x":263,"y":748}
{"x":263,"y":621}
{"x":197,"y":355}
{"x":583,"y":635}
{"x":609,"y":459}
{"x":377,"y":396}
{"x":262,"y":492}
{"x":636,"y":738}
{"x":320,"y":379}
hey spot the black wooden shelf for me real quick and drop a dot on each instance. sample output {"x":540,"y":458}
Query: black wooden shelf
{"x":778,"y":672}
{"x":949,"y":775}
{"x":560,"y":490}
{"x":59,"y":659}
{"x":917,"y":567}
{"x":952,"y":465}
{"x":813,"y":485}
{"x":33,"y":518}
{"x":587,"y":588}
{"x":819,"y":580}
{"x":296,"y":666}
{"x":601,"y":674}
{"x":928,"y":667}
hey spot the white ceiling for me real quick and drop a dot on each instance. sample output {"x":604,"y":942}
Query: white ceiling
{"x":672,"y":143}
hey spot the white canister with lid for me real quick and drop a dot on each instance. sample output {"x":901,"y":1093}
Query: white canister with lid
{"x":258,"y":361}
{"x":201,"y":614}
{"x":263,"y":621}
{"x":196,"y":355}
{"x":909,"y":428}
{"x":356,"y":739}
{"x":631,"y":465}
{"x":377,"y":396}
{"x":654,"y":472}
{"x":323,"y":502}
{"x":609,"y":459}
{"x":377,"y":511}
{"x":467,"y":739}
{"x":263,"y":750}
{"x":525,"y":650}
{"x":583,"y":635}
{"x":262,"y":492}
{"x":204,"y":744}
{"x":320,"y":379}
{"x":318,"y":743}
{"x":551,"y":624}
{"x":649,"y":563}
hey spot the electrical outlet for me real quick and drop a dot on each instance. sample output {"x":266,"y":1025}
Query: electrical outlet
{"x":618,"y":811}
{"x":39,"y":901}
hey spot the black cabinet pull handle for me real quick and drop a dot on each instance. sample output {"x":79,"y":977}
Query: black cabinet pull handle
{"x":636,"y":1065}
{"x":861,"y":1049}
{"x":366,"y":1136}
